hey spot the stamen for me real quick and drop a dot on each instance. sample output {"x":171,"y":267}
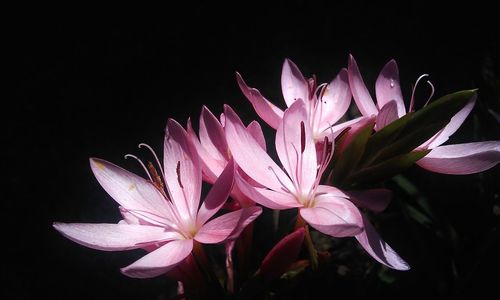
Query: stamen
{"x":412,"y":100}
{"x":156,"y":178}
{"x":141,"y":163}
{"x":432,"y":92}
{"x":279,"y":180}
{"x":302,"y":137}
{"x":154,"y":154}
{"x":178,"y":170}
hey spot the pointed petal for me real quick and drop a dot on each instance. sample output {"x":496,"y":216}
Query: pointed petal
{"x":462,"y":159}
{"x":387,"y":114}
{"x":129,"y":190}
{"x":114,"y":237}
{"x":333,"y":215}
{"x":221,"y":228}
{"x":265,"y":197}
{"x":218,"y":194}
{"x":293,"y":83}
{"x":450,"y":128}
{"x":387,"y":88}
{"x":266,"y":110}
{"x":378,"y":249}
{"x":182,"y":170}
{"x":362,"y":97}
{"x":296,"y":148}
{"x":248,"y":215}
{"x":283,"y":255}
{"x":256,"y":131}
{"x":251,"y":158}
{"x":334,"y":131}
{"x":160,"y":261}
{"x":212,"y":135}
{"x":336,"y":99}
{"x":210,"y":166}
{"x":375,"y":200}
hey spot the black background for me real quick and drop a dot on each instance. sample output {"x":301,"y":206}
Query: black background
{"x":99,"y":85}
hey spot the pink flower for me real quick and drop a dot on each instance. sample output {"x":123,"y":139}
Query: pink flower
{"x":324,"y":104}
{"x":166,"y":225}
{"x":324,"y":207}
{"x":456,"y":159}
{"x":214,"y":152}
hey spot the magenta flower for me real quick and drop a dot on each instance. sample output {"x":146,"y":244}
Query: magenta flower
{"x":456,"y":159}
{"x":167,"y":225}
{"x":324,"y":104}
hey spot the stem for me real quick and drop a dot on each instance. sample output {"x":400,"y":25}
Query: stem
{"x":201,"y":259}
{"x":313,"y":253}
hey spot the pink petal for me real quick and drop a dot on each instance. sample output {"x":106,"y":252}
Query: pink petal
{"x":248,"y":215}
{"x":283,"y":255}
{"x":378,"y":249}
{"x":182,"y":170}
{"x":293,"y":83}
{"x":333,"y":215}
{"x":462,"y":159}
{"x":450,"y":128}
{"x":336,"y":99}
{"x":212,"y":135}
{"x":359,"y":91}
{"x":299,"y":160}
{"x":210,"y":166}
{"x":250,"y":156}
{"x":160,"y":261}
{"x":218,"y":194}
{"x":266,"y":110}
{"x":376,"y":200}
{"x":387,"y":114}
{"x":265,"y":197}
{"x":334,"y":131}
{"x":221,"y":228}
{"x":387,"y":88}
{"x":256,"y":131}
{"x":114,"y":237}
{"x":129,"y":190}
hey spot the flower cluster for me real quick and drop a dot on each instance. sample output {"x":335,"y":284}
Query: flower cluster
{"x":328,"y":169}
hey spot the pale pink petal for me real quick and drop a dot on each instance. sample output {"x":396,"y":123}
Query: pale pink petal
{"x":217,"y":195}
{"x":293,"y":84}
{"x":387,"y":88}
{"x":265,"y":197}
{"x":378,"y":249}
{"x":221,"y":228}
{"x":333,"y":215}
{"x":296,"y":148}
{"x":334,"y":131}
{"x":266,"y":110}
{"x":210,"y":166}
{"x":248,"y":215}
{"x":160,"y":261}
{"x":129,"y":190}
{"x":362,"y":97}
{"x":375,"y":200}
{"x":114,"y":237}
{"x":450,"y":128}
{"x":182,"y":170}
{"x":336,"y":99}
{"x":212,"y":135}
{"x":462,"y":159}
{"x":250,"y":156}
{"x":387,"y":114}
{"x":256,"y":131}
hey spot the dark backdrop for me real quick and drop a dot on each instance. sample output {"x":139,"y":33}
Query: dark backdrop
{"x":98,"y":86}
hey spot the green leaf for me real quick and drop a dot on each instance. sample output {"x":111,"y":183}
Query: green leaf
{"x":351,"y":151}
{"x":387,"y":168}
{"x":413,"y":129}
